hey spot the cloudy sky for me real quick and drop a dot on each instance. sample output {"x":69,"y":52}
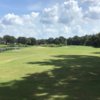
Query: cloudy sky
{"x":49,"y":18}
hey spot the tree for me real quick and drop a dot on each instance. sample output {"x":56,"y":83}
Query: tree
{"x":56,"y":41}
{"x":42,"y":41}
{"x":31,"y":41}
{"x":50,"y":41}
{"x":69,"y":41}
{"x":22,"y":40}
{"x":76,"y":40}
{"x":63,"y":40}
{"x":1,"y":40}
{"x":9,"y":39}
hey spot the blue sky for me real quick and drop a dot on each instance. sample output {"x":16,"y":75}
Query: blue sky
{"x":49,"y":18}
{"x":24,"y":6}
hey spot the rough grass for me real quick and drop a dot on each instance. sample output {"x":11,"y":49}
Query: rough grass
{"x":50,"y":73}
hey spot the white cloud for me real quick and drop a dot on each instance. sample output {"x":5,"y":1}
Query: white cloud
{"x":62,"y":19}
{"x":69,"y":12}
{"x":91,"y":2}
{"x":34,"y":14}
{"x":66,"y":29}
{"x":11,"y":19}
{"x":94,"y":12}
{"x":30,"y":18}
{"x":49,"y":15}
{"x":92,"y":9}
{"x":95,"y":9}
{"x":16,"y":25}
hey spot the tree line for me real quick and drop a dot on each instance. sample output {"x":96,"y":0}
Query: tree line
{"x":7,"y":39}
{"x":87,"y":40}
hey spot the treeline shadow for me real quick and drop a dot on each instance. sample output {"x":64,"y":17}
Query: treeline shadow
{"x":74,"y":77}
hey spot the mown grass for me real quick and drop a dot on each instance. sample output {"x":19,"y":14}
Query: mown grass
{"x":50,"y":73}
{"x":2,"y":45}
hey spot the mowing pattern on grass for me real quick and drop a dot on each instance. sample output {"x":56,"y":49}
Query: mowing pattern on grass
{"x":55,"y":74}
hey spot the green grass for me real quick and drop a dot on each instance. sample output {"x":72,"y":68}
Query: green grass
{"x":50,"y":73}
{"x":2,"y":45}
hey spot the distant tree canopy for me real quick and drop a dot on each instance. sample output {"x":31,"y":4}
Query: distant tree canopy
{"x":22,"y":40}
{"x":9,"y":39}
{"x":88,"y":40}
{"x":31,"y":41}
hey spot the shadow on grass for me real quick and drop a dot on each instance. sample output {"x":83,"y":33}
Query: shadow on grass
{"x":74,"y":77}
{"x":96,"y":52}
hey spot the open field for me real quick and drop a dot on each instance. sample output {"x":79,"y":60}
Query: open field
{"x":50,"y":73}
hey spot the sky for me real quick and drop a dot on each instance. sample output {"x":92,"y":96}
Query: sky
{"x":49,"y":18}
